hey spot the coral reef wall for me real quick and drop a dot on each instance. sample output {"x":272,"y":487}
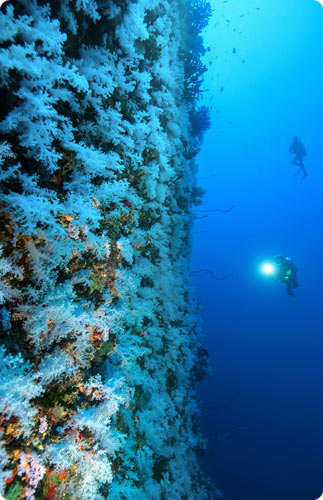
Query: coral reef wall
{"x":100,"y":341}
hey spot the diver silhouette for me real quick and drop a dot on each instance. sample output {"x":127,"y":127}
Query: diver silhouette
{"x":298,"y":151}
{"x":286,"y":273}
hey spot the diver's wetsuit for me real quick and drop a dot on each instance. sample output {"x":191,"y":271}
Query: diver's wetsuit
{"x":297,"y":149}
{"x":287,"y":273}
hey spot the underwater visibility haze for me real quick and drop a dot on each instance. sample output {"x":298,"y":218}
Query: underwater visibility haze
{"x":161,"y":250}
{"x":262,"y":408}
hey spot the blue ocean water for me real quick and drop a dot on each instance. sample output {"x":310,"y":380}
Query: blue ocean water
{"x":264,"y":86}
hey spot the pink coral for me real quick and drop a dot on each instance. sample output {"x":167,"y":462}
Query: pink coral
{"x":43,"y":425}
{"x":33,"y":470}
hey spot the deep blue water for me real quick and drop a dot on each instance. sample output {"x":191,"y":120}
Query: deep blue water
{"x":266,"y":348}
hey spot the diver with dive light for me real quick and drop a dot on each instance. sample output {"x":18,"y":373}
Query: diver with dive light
{"x":286,"y":273}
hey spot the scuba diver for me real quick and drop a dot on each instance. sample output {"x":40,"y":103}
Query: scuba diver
{"x":286,"y":273}
{"x":297,"y":149}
